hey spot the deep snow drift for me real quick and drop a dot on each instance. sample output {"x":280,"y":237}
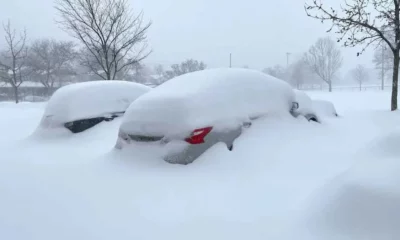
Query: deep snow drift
{"x":362,"y":202}
{"x":286,"y":179}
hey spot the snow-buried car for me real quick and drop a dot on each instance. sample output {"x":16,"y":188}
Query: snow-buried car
{"x":306,"y":107}
{"x":313,"y":109}
{"x":187,"y":115}
{"x":324,"y":108}
{"x":80,"y":106}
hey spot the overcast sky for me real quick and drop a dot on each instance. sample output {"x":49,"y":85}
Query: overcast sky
{"x":258,"y":33}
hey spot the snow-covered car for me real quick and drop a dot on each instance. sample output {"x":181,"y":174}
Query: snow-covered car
{"x":306,"y":106}
{"x":187,"y":115}
{"x":313,"y":109}
{"x":324,"y":108}
{"x":80,"y":106}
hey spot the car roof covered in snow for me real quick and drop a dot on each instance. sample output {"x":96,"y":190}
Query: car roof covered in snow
{"x":92,"y":99}
{"x":325,"y":108}
{"x":201,"y":98}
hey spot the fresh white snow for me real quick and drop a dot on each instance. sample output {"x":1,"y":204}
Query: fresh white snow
{"x":90,"y":99}
{"x":324,"y":108}
{"x":212,"y":97}
{"x":286,"y":179}
{"x":305,"y":103}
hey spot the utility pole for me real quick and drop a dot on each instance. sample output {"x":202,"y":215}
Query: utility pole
{"x":230,"y":60}
{"x":287,"y":59}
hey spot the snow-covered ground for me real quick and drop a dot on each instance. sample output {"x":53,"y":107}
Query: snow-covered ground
{"x":284,"y":180}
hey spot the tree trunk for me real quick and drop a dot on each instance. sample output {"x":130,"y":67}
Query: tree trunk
{"x":47,"y":91}
{"x":360,"y":87}
{"x":108,"y":74}
{"x":330,"y":86}
{"x":383,"y":79}
{"x":16,"y":94}
{"x":383,"y":69}
{"x":395,"y":82}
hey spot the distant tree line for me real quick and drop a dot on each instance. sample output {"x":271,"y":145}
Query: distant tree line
{"x":320,"y":63}
{"x":111,"y":44}
{"x":365,"y":23}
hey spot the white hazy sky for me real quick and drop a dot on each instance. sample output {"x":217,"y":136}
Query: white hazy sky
{"x":258,"y":33}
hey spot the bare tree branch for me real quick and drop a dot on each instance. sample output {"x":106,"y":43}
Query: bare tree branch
{"x":109,"y":31}
{"x":324,"y":59}
{"x":364,"y":22}
{"x":360,"y":75}
{"x":187,"y":66}
{"x":50,"y":59}
{"x":13,"y":59}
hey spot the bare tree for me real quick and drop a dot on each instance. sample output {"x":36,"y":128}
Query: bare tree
{"x":159,"y":69}
{"x":160,"y":74}
{"x":139,"y":73}
{"x":50,"y":60}
{"x":364,"y":22}
{"x":360,"y":75}
{"x":324,"y":60}
{"x":383,"y":60}
{"x":187,"y":66}
{"x":299,"y":73}
{"x":13,"y":59}
{"x":113,"y":36}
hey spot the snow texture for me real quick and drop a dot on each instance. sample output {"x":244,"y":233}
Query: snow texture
{"x":90,"y":99}
{"x":286,"y":179}
{"x":305,"y":103}
{"x":213,"y":97}
{"x":324,"y":108}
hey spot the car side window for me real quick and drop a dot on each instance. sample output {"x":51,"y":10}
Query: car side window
{"x":83,"y":124}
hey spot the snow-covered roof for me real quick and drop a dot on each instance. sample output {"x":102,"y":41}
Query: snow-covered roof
{"x":92,"y":99}
{"x":201,"y":98}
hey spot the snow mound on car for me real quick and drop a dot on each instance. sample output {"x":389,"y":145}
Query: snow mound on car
{"x":324,"y":108}
{"x":210,"y":97}
{"x":305,"y":103}
{"x":91,"y":99}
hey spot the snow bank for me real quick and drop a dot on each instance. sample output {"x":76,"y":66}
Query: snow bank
{"x":208,"y":97}
{"x":362,"y":202}
{"x":18,"y":120}
{"x":90,"y":99}
{"x":76,"y":188}
{"x":387,"y":145}
{"x":355,"y":101}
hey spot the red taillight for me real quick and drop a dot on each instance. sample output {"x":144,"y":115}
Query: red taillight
{"x":198,"y":135}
